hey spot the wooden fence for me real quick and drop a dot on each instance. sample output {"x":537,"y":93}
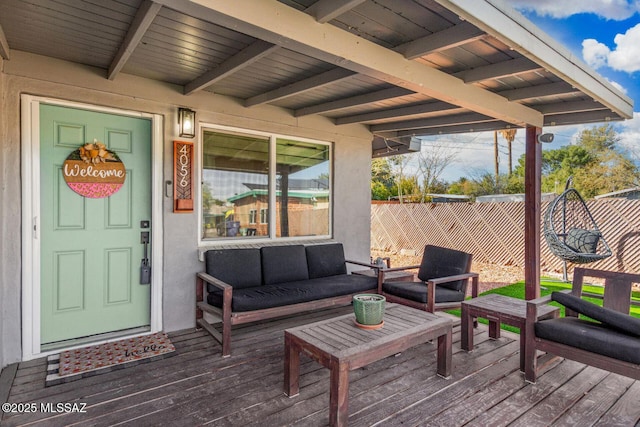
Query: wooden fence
{"x":494,"y":232}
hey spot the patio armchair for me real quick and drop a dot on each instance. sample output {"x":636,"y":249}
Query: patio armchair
{"x":609,"y":339}
{"x":443,"y":280}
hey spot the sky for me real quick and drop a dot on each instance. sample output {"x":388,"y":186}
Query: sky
{"x":605,"y":34}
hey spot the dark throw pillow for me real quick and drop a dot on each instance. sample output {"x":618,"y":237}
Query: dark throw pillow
{"x":582,"y":241}
{"x":614,"y":319}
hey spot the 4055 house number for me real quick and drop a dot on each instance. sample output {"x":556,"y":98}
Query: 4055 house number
{"x":182,"y":176}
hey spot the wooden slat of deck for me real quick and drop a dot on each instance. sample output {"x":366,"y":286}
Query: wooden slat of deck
{"x":198,"y":387}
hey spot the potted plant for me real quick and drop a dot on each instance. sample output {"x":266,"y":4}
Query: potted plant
{"x":369,"y":310}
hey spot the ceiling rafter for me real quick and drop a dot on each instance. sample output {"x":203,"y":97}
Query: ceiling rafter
{"x":314,"y":82}
{"x":411,"y":110}
{"x":4,"y":45}
{"x":353,"y":101}
{"x":457,"y":128}
{"x":578,"y":118}
{"x":326,"y":10}
{"x":141,"y":23}
{"x":540,"y":91}
{"x":446,"y":39}
{"x":247,"y":56}
{"x":512,"y":67}
{"x":569,"y":107}
{"x":283,"y":25}
{"x":431,"y":122}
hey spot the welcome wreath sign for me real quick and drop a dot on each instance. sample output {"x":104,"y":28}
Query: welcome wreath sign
{"x":93,"y":171}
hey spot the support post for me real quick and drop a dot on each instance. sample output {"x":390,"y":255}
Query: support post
{"x":532,"y":185}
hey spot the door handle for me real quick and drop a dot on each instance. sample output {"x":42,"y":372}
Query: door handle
{"x":145,"y":268}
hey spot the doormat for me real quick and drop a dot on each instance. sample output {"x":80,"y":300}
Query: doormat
{"x":98,"y":359}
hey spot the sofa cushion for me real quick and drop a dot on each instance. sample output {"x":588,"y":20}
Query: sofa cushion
{"x":240,"y":268}
{"x":325,"y":260}
{"x":582,"y":241}
{"x":443,"y":262}
{"x":590,"y":336}
{"x":288,"y":293}
{"x":614,"y":319}
{"x":282,"y":264}
{"x":417,"y":291}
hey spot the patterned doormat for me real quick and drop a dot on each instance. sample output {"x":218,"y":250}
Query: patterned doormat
{"x":84,"y":362}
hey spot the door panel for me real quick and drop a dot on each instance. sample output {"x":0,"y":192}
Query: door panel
{"x":90,"y":248}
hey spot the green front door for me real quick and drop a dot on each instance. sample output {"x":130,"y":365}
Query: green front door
{"x":90,"y":247}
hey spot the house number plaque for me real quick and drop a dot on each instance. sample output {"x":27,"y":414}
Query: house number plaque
{"x":182,"y":176}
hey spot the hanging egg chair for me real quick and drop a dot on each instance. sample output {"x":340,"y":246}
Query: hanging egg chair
{"x":570,"y":230}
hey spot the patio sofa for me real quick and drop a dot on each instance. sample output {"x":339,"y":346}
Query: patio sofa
{"x":248,"y":285}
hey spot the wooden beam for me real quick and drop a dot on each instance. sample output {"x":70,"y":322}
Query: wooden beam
{"x":446,"y":39}
{"x":329,"y":77}
{"x":252,"y":53}
{"x":532,"y":215}
{"x":581,"y":117}
{"x":551,"y":89}
{"x":572,"y":106}
{"x":465,"y":128}
{"x":4,"y":45}
{"x":508,"y":68}
{"x":431,"y":122}
{"x":353,"y":101}
{"x":412,"y":110}
{"x":326,"y":10}
{"x":141,"y":22}
{"x":280,"y":24}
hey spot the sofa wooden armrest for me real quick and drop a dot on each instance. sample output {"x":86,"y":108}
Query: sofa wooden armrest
{"x":431,"y":287}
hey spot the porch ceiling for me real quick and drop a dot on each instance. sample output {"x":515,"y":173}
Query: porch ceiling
{"x":402,"y":68}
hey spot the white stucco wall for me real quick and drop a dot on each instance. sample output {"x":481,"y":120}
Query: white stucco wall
{"x":41,"y":76}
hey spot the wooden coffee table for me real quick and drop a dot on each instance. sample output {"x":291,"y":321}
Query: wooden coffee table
{"x":498,"y":309}
{"x":339,"y":345}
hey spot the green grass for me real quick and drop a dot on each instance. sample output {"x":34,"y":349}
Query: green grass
{"x":547,"y":286}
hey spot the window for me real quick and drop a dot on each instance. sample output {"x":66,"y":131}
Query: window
{"x":286,"y":179}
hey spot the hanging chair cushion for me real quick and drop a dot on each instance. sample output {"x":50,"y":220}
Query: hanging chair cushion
{"x":582,"y":241}
{"x":613,"y":319}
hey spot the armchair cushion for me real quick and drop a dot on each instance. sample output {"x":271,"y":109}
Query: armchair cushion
{"x":590,"y":336}
{"x":442,"y":262}
{"x":583,"y":241}
{"x":417,"y":291}
{"x":325,"y":260}
{"x":281,"y":264}
{"x":614,"y":319}
{"x":239,"y":268}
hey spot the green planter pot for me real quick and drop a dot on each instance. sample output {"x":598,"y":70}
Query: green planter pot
{"x":369,"y":309}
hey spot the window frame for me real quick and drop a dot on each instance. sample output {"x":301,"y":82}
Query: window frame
{"x":272,"y":176}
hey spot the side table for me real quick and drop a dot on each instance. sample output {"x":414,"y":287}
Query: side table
{"x":499,"y":309}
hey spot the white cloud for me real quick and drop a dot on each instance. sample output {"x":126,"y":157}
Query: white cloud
{"x":594,"y":53}
{"x":609,"y":9}
{"x":625,"y":56}
{"x":629,"y":133}
{"x":618,"y":86}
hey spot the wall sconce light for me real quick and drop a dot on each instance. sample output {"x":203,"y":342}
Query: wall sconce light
{"x":187,"y":122}
{"x":545,"y":137}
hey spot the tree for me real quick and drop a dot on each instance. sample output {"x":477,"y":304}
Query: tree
{"x":398,"y":164}
{"x":509,"y":135}
{"x":382,"y":180}
{"x":432,"y":161}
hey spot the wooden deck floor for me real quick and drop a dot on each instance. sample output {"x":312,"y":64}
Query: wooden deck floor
{"x":198,"y":387}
